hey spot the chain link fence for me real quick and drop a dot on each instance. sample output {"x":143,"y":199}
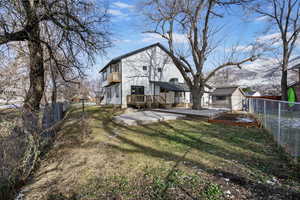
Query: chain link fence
{"x":282,"y":119}
{"x":21,"y":142}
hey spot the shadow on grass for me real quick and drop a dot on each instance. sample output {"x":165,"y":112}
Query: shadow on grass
{"x":181,"y":136}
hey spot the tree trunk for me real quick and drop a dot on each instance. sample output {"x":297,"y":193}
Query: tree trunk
{"x":284,"y":87}
{"x":196,"y":97}
{"x":36,"y":66}
{"x":54,"y":85}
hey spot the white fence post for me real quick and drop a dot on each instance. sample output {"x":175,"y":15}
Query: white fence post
{"x":279,"y":123}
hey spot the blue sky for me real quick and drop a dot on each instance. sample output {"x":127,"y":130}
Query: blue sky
{"x":127,"y":31}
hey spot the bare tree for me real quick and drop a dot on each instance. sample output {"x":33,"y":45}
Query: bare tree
{"x":14,"y":76}
{"x":193,"y":19}
{"x":80,"y":32}
{"x":283,"y":17}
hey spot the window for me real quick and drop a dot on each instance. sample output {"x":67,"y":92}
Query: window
{"x":104,"y":74}
{"x":159,"y":69}
{"x":145,"y":68}
{"x":163,"y":90}
{"x":220,"y":98}
{"x":138,"y":90}
{"x":114,"y":68}
{"x":117,"y":91}
{"x":117,"y":67}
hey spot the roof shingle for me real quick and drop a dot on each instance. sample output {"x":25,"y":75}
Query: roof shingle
{"x":224,"y":91}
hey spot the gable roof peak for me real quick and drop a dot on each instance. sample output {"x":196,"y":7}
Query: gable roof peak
{"x":119,"y":58}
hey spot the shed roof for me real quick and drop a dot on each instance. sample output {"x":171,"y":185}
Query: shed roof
{"x":294,"y":84}
{"x":176,"y":87}
{"x":117,"y":59}
{"x":224,"y":91}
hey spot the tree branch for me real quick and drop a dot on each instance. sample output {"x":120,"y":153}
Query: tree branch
{"x":237,"y":64}
{"x":13,"y":37}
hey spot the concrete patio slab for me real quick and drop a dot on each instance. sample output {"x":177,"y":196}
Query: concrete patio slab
{"x":145,"y":117}
{"x":205,"y":113}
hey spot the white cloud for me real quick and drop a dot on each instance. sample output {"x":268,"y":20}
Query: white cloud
{"x":120,"y":4}
{"x":243,"y":48}
{"x":261,"y":18}
{"x":180,"y":38}
{"x":269,"y":37}
{"x":116,"y":12}
{"x":122,"y":41}
{"x":152,"y":37}
{"x":274,"y":39}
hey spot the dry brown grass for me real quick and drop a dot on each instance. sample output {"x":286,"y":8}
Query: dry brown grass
{"x":12,"y":146}
{"x":95,"y":158}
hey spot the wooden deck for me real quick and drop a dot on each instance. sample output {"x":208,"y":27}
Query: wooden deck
{"x":145,"y":100}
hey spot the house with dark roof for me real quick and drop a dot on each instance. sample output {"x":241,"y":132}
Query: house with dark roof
{"x":144,"y":77}
{"x":252,"y":94}
{"x":231,"y":97}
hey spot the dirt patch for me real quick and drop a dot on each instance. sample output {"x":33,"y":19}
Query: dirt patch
{"x":233,"y":119}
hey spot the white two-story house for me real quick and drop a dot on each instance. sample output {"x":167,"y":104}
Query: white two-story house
{"x":144,"y":77}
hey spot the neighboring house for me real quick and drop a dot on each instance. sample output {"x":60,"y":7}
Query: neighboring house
{"x":252,"y":94}
{"x":146,"y":76}
{"x":231,"y":97}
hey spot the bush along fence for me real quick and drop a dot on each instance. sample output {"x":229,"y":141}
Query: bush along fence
{"x":27,"y":137}
{"x":281,"y":119}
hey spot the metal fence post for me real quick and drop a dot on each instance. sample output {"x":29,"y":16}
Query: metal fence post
{"x":265,"y":115}
{"x":297,"y":147}
{"x":279,"y":123}
{"x":256,"y":107}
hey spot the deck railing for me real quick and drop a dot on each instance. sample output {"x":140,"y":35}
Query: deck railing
{"x":114,"y":77}
{"x":143,"y":99}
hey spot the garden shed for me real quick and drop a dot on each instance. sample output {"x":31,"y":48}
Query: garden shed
{"x":231,"y":97}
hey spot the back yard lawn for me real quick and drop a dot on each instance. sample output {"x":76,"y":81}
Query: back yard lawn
{"x":95,"y":158}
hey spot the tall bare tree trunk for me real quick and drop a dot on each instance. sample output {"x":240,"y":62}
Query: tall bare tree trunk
{"x":36,"y":65}
{"x":284,"y":87}
{"x":54,"y":86}
{"x":284,"y":71}
{"x":196,"y":98}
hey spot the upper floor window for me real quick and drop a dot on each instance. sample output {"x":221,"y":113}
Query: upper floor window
{"x":159,"y":69}
{"x":114,"y":68}
{"x":145,"y":68}
{"x":104,"y":74}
